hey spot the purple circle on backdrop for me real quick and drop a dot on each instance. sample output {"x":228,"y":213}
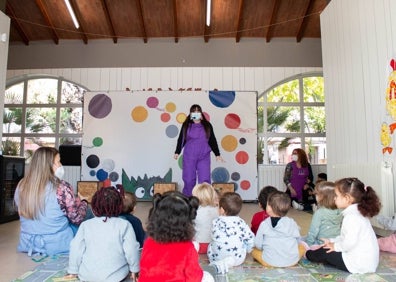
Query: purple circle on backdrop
{"x":235,"y":176}
{"x":92,"y":161}
{"x":101,"y":175}
{"x":172,"y":131}
{"x":113,"y":176}
{"x":100,"y":106}
{"x":152,"y":102}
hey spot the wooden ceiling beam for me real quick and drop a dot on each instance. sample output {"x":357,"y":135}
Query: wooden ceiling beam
{"x":175,"y":25}
{"x":239,"y":22}
{"x":47,"y":19}
{"x":140,"y":12}
{"x":17,"y":24}
{"x":109,"y":21}
{"x":207,"y":29}
{"x":79,"y":17}
{"x":303,"y":21}
{"x":275,"y":8}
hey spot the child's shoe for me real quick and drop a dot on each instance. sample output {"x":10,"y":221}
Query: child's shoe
{"x":297,"y":206}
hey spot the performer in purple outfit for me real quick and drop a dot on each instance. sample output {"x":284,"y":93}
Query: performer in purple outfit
{"x":198,"y":140}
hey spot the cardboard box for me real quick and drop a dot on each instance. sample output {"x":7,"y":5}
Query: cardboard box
{"x":164,"y":187}
{"x":86,"y":189}
{"x":224,"y":187}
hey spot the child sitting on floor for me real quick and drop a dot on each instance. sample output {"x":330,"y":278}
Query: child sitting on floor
{"x":105,"y":247}
{"x":356,"y":248}
{"x":127,"y":213}
{"x":207,"y":211}
{"x":168,"y":253}
{"x":277,"y":239}
{"x":326,"y":221}
{"x":260,"y":216}
{"x":231,"y":236}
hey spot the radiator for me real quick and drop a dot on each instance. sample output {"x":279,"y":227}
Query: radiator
{"x":377,"y":175}
{"x":72,"y":175}
{"x":273,"y":175}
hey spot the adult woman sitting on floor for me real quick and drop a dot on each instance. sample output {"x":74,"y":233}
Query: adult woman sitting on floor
{"x":47,"y":206}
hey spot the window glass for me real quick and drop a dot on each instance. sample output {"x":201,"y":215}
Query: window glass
{"x":313,"y":89}
{"x":285,"y":93}
{"x":70,"y":120}
{"x":315,"y":120}
{"x":14,"y":94}
{"x":42,"y":91}
{"x":316,"y":149}
{"x":11,"y":146}
{"x":12,"y":120}
{"x":40,"y":120}
{"x":283,"y":119}
{"x":71,"y":93}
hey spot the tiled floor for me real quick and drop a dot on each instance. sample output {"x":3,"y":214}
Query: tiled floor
{"x":13,"y":264}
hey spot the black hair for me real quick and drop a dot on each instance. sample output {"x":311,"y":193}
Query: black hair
{"x":263,"y":195}
{"x":107,"y":202}
{"x":171,"y":219}
{"x":322,"y":175}
{"x":188,"y":121}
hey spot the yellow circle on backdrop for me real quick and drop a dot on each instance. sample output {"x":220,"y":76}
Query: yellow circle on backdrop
{"x":170,"y":107}
{"x":181,"y":117}
{"x":229,"y":143}
{"x":139,"y":114}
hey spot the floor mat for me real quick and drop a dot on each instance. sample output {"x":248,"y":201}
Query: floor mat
{"x":53,"y":269}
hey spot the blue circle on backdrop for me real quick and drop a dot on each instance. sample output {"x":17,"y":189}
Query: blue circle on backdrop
{"x":92,"y":172}
{"x":171,"y":131}
{"x":222,"y":99}
{"x":220,"y":174}
{"x":101,"y":175}
{"x":113,"y":176}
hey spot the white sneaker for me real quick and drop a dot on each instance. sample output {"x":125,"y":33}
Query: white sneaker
{"x":297,"y":206}
{"x":314,"y":207}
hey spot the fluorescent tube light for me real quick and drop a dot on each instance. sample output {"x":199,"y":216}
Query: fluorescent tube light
{"x":208,"y":6}
{"x":71,"y":12}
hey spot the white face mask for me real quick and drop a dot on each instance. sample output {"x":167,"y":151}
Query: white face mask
{"x":60,"y":172}
{"x":196,"y":116}
{"x":294,"y":158}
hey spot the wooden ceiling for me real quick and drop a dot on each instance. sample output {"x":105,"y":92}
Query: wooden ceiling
{"x":43,"y":20}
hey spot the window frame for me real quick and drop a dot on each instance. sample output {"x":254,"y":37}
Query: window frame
{"x":264,"y":135}
{"x":57,"y":135}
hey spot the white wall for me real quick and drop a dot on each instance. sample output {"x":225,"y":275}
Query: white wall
{"x":358,"y":41}
{"x":4,"y":29}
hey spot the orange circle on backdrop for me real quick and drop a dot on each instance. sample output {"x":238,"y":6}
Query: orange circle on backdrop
{"x":181,"y":117}
{"x":229,"y":143}
{"x":170,"y":107}
{"x":165,"y":117}
{"x":245,"y":184}
{"x":242,"y":157}
{"x":139,"y":114}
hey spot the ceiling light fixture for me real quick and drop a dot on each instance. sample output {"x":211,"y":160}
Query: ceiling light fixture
{"x":208,"y":6}
{"x":71,"y":12}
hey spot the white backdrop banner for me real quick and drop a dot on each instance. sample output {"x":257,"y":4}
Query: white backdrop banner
{"x":130,"y":138}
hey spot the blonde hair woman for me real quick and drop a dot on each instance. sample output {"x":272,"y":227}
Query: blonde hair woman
{"x":47,"y":206}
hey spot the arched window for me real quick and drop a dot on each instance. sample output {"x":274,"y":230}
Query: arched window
{"x":292,"y":115}
{"x":41,"y":111}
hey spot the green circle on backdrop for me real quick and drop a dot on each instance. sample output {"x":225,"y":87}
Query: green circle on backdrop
{"x":97,"y":142}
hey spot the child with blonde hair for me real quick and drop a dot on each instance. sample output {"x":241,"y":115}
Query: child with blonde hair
{"x":206,"y":213}
{"x":356,"y":248}
{"x":326,"y":221}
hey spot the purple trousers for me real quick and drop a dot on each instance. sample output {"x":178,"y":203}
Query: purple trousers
{"x":193,"y":168}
